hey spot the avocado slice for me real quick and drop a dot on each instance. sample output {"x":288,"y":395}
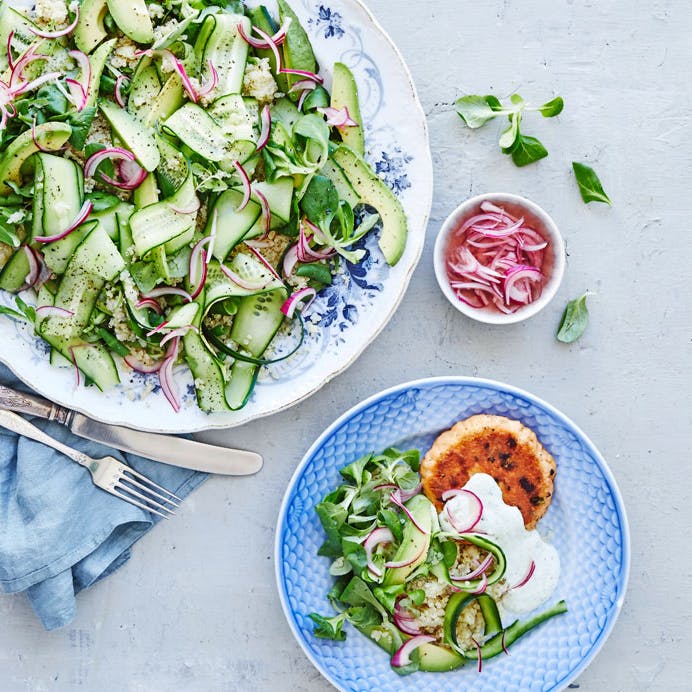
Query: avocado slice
{"x":90,"y":30}
{"x":438,"y":659}
{"x":414,"y":542}
{"x":132,"y":18}
{"x":137,"y":139}
{"x":98,"y":61}
{"x":345,"y":95}
{"x":297,"y":51}
{"x":372,"y":190}
{"x":49,"y":136}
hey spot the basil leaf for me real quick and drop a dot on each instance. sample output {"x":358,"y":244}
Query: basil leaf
{"x":574,"y":320}
{"x":81,"y":124}
{"x":475,"y":111}
{"x":526,"y":150}
{"x":552,"y":108}
{"x":589,"y":185}
{"x":102,"y":201}
{"x":317,"y":272}
{"x":329,"y":628}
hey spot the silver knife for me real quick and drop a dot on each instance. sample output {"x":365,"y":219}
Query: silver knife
{"x":168,"y":449}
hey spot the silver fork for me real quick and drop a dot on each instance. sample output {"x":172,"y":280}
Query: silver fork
{"x":108,"y":473}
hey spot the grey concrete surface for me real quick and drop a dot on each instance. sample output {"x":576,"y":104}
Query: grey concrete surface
{"x":196,"y":607}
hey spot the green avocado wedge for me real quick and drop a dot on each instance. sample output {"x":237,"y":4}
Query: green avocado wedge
{"x":345,"y":95}
{"x":47,"y":137}
{"x":415,"y":542}
{"x":297,"y":51}
{"x":132,"y":18}
{"x":90,"y":30}
{"x":373,"y":191}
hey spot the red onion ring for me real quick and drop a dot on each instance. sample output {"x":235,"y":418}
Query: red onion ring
{"x":338,"y":117}
{"x":266,"y":120}
{"x":177,"y":333}
{"x":303,"y":73}
{"x":34,"y":266}
{"x":402,"y":656}
{"x":261,"y":258}
{"x":239,"y":281}
{"x":404,"y":620}
{"x":77,"y":221}
{"x":523,"y":582}
{"x":207,"y":87}
{"x":53,"y":311}
{"x":10,"y":59}
{"x":290,"y":260}
{"x":296,"y":299}
{"x":395,"y":498}
{"x":168,"y":291}
{"x":149,"y":303}
{"x":247,"y":186}
{"x":266,"y":211}
{"x":137,"y":365}
{"x":277,"y":39}
{"x":408,"y":561}
{"x":477,"y":517}
{"x":166,"y":375}
{"x":480,"y":655}
{"x":60,"y":32}
{"x":376,"y":537}
{"x":117,"y":90}
{"x":481,"y":569}
{"x":269,"y":43}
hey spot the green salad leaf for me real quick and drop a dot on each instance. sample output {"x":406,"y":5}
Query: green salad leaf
{"x":590,"y":186}
{"x":574,"y":320}
{"x":329,"y":628}
{"x":476,"y":111}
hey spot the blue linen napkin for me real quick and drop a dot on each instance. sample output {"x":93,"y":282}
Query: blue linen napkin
{"x":59,"y":533}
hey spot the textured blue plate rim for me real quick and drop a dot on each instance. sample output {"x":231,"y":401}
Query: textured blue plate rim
{"x":461,"y":381}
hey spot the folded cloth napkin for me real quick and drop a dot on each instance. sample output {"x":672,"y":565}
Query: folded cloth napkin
{"x":59,"y":533}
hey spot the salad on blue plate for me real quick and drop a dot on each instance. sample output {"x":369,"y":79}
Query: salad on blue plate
{"x":176,"y":185}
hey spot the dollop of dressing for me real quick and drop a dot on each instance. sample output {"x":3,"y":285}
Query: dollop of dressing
{"x":504,"y":525}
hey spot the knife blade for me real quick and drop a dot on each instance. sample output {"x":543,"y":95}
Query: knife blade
{"x":169,"y":449}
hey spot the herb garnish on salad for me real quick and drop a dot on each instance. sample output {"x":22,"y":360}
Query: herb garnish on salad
{"x":176,"y":184}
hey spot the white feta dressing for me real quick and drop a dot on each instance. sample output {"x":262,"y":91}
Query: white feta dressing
{"x":504,"y":525}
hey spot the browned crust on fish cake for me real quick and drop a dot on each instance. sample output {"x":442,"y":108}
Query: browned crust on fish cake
{"x":503,"y":448}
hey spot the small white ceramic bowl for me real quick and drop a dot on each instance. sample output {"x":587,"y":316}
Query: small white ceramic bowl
{"x":537,"y":218}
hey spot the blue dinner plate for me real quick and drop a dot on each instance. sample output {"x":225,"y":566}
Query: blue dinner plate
{"x":586,"y":522}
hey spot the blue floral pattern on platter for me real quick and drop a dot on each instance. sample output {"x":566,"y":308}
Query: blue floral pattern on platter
{"x":586,"y":522}
{"x":346,"y":316}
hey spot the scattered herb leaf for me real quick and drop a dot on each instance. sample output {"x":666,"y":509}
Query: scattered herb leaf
{"x":589,"y":185}
{"x":574,"y":320}
{"x":552,"y":108}
{"x":475,"y":111}
{"x":526,"y":150}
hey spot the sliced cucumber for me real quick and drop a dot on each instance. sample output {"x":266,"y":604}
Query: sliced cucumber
{"x":183,"y":316}
{"x":57,"y":255}
{"x":145,"y":87}
{"x":227,"y":50}
{"x":194,"y":127}
{"x":62,"y":187}
{"x":209,"y":380}
{"x":14,"y":273}
{"x":231,"y":225}
{"x":98,"y":255}
{"x":167,"y":101}
{"x":232,"y":114}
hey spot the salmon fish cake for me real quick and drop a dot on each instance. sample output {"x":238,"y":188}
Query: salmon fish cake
{"x":503,"y":448}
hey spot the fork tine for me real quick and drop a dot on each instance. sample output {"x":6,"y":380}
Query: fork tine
{"x":139,"y":476}
{"x":132,"y":501}
{"x":144,"y":498}
{"x":132,"y":481}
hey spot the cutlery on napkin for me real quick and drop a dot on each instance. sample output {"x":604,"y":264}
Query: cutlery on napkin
{"x":59,"y":533}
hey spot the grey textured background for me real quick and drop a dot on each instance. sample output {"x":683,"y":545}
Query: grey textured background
{"x":196,"y":608}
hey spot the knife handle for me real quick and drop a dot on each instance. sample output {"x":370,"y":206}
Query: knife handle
{"x":33,"y":405}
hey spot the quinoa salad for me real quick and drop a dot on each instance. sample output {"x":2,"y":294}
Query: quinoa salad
{"x":434,"y":590}
{"x":176,"y":186}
